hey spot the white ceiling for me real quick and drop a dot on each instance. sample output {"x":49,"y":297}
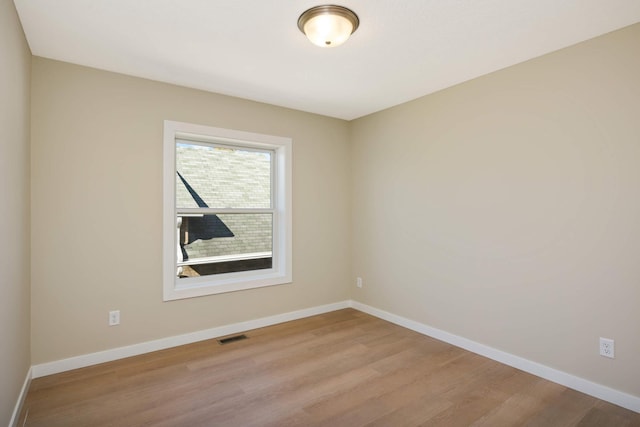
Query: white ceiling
{"x":253,"y":49}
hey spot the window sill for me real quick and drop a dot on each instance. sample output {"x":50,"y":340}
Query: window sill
{"x":223,"y":283}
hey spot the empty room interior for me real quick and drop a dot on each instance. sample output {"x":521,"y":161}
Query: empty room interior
{"x":210,"y":217}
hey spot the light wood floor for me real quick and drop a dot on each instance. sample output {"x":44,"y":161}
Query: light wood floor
{"x":343,"y":368}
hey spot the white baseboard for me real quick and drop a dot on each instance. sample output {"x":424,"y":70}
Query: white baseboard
{"x":76,"y":362}
{"x":23,"y":394}
{"x":608,"y":394}
{"x":600,"y":391}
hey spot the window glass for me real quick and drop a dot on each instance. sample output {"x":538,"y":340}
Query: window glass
{"x":223,"y":243}
{"x":215,"y":176}
{"x":227,"y":220}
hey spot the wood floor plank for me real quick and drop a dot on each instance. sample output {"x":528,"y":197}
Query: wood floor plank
{"x":415,"y":413}
{"x":521,"y":406}
{"x":343,"y":368}
{"x":597,"y":417}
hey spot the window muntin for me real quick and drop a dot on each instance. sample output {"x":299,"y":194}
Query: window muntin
{"x":228,"y":205}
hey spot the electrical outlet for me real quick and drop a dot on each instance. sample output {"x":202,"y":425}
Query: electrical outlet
{"x":607,"y":348}
{"x":359,"y":282}
{"x":114,"y":317}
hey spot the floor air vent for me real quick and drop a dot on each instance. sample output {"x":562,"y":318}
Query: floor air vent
{"x":232,"y":339}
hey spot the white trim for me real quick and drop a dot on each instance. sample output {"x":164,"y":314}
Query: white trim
{"x":225,"y":258}
{"x":600,"y":391}
{"x":200,"y":212}
{"x":21,"y":397}
{"x":281,"y":271}
{"x":84,"y":360}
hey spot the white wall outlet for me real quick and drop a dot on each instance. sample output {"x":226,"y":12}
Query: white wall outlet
{"x":607,"y":348}
{"x":359,"y":282}
{"x":114,"y":317}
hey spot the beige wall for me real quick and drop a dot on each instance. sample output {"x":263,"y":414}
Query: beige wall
{"x":15,"y":70}
{"x":507,"y":209}
{"x":504,"y":210}
{"x":97,"y":210}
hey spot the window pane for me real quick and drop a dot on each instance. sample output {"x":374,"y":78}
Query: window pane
{"x":221,"y":177}
{"x":223,"y":243}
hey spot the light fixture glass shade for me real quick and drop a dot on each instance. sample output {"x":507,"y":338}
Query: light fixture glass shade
{"x":329,"y":25}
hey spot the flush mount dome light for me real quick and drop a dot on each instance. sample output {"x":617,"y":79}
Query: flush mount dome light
{"x":328,"y":25}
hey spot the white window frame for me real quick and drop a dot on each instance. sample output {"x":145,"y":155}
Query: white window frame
{"x":281,"y":270}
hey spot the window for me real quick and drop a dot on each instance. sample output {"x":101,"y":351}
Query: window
{"x":227,"y":210}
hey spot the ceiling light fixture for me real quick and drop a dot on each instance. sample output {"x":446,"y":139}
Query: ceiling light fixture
{"x":328,"y":25}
